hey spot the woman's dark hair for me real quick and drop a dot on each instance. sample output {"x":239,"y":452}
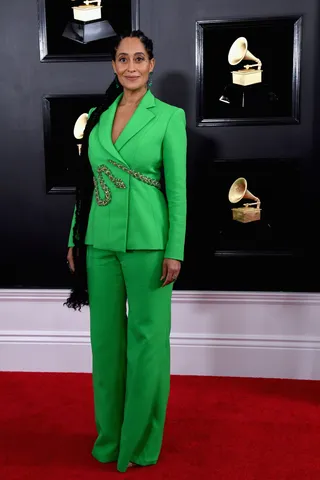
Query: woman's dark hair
{"x":84,"y":181}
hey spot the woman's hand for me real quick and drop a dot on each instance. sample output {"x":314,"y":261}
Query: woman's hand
{"x":70,"y":260}
{"x":170,"y":271}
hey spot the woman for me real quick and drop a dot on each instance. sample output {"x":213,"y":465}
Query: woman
{"x":126,"y":244}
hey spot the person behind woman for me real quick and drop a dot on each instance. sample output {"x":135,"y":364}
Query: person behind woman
{"x":126,"y":244}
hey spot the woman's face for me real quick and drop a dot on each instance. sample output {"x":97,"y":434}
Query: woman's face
{"x":132,"y":64}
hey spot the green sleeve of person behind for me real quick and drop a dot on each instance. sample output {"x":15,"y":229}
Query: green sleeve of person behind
{"x":70,"y":241}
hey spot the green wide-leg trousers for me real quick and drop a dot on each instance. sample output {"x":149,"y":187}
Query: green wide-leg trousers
{"x":130,"y":354}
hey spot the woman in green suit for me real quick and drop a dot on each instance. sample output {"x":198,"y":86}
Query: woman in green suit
{"x":126,"y":244}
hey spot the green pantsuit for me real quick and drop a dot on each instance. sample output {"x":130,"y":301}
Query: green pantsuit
{"x":131,"y":354}
{"x":132,"y":227}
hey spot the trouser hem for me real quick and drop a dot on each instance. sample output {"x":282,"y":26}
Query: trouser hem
{"x":108,"y":459}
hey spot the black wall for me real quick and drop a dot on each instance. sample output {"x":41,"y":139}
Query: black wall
{"x":35,"y":226}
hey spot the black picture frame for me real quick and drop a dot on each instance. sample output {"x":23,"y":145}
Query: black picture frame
{"x":280,"y":184}
{"x":60,"y":113}
{"x":54,"y":15}
{"x":276,"y":100}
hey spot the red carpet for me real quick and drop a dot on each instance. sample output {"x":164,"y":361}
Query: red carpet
{"x":217,"y":428}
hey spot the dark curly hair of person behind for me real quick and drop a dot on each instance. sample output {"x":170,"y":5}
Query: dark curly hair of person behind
{"x":85,"y":187}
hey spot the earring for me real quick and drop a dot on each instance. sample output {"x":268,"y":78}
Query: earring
{"x":116,"y":79}
{"x":150,"y":79}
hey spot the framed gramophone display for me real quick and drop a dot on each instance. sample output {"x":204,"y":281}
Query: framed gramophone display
{"x":248,"y":71}
{"x":62,"y":142}
{"x":83,"y":30}
{"x":261,"y":207}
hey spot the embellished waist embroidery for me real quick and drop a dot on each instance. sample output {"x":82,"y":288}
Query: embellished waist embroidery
{"x":117,"y":181}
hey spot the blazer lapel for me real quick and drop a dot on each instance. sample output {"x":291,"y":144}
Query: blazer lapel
{"x":105,"y":130}
{"x":141,"y":117}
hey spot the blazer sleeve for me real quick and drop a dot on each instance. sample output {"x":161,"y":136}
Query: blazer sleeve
{"x":73,"y":221}
{"x":174,"y":163}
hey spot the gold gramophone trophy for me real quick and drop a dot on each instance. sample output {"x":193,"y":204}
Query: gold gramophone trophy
{"x":79,"y":128}
{"x":87,"y":25}
{"x":247,"y":213}
{"x":248,"y":75}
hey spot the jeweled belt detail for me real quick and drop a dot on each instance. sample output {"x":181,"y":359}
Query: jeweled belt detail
{"x":117,"y":181}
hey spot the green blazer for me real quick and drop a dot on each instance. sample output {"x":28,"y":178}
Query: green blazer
{"x":137,"y":215}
